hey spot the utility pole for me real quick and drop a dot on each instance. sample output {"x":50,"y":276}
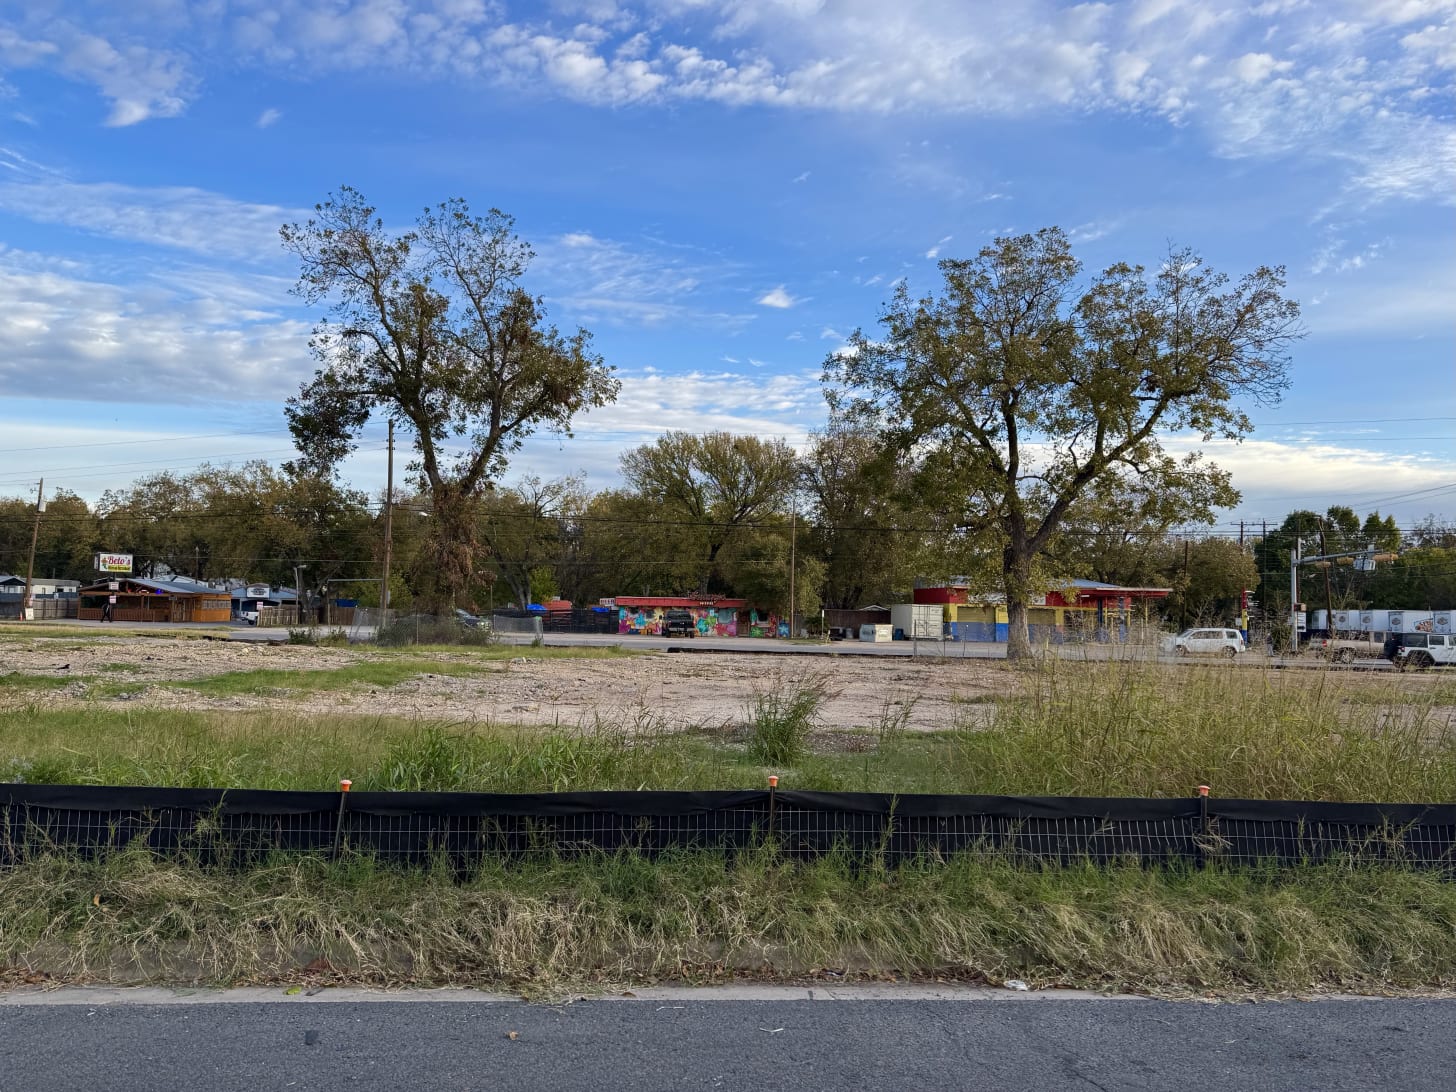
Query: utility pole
{"x":388,"y":528}
{"x":298,"y":590}
{"x":1329,"y":593}
{"x":793,"y":541}
{"x":1183,"y":613}
{"x":1294,"y":597}
{"x":25,"y":603}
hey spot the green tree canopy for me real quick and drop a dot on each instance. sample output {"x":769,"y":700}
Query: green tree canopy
{"x":1021,"y":391}
{"x":715,"y":484}
{"x":434,"y":330}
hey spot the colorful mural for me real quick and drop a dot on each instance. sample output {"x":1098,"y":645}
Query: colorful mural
{"x":710,"y":621}
{"x":766,"y":624}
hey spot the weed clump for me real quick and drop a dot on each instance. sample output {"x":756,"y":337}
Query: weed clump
{"x":781,"y":715}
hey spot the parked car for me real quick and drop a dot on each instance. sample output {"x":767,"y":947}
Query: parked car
{"x":1218,"y":642}
{"x":1423,"y":650}
{"x":679,"y":622}
{"x":468,"y":620}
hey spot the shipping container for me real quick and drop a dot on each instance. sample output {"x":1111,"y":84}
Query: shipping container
{"x":876,"y":633}
{"x":917,"y":620}
{"x":1347,"y":621}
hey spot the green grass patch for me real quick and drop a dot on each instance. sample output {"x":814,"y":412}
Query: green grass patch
{"x":617,"y":920}
{"x":16,"y":680}
{"x":375,"y":673}
{"x":1100,"y":729}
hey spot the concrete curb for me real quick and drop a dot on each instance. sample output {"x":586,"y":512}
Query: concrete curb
{"x":101,"y":996}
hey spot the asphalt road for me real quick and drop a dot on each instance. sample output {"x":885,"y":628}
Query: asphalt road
{"x":936,"y":650}
{"x":678,"y":1043}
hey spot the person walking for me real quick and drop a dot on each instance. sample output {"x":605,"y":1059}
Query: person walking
{"x":106,"y":609}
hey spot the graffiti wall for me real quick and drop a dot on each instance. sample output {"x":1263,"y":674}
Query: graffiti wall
{"x":767,"y":624}
{"x":710,"y":622}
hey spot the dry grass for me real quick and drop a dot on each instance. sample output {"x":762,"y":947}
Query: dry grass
{"x":623,"y":919}
{"x":1114,"y":729}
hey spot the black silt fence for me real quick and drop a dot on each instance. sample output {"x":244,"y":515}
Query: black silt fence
{"x":236,"y":827}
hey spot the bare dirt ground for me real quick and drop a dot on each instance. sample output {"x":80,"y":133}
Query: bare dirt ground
{"x":654,"y":689}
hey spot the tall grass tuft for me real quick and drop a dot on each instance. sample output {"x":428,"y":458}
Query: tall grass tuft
{"x":1139,"y":729}
{"x":781,"y":715}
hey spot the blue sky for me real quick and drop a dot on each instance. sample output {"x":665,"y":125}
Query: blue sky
{"x":720,"y":192}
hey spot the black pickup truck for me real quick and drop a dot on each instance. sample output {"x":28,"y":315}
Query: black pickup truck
{"x":679,"y":623}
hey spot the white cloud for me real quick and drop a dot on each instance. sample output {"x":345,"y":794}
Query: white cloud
{"x":171,"y":216}
{"x":604,"y":280}
{"x":268,"y":117}
{"x":934,"y":252}
{"x":803,"y":177}
{"x":1258,"y":67}
{"x":1352,"y":80}
{"x":66,"y":335}
{"x":140,"y":80}
{"x":1276,"y":476}
{"x":778,"y":297}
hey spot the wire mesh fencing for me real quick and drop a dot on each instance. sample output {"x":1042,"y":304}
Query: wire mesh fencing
{"x":235,"y":828}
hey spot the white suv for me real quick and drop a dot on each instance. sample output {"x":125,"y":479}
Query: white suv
{"x":1223,"y":642}
{"x":1423,"y":650}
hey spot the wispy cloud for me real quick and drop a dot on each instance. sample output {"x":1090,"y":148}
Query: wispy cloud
{"x":1345,"y":82}
{"x":140,"y":79}
{"x":268,"y":117}
{"x":605,"y":280}
{"x":778,"y":297}
{"x":934,"y":252}
{"x":67,"y":335}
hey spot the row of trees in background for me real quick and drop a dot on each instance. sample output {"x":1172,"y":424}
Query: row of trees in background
{"x":1006,"y":430}
{"x":715,"y":513}
{"x":1010,"y":399}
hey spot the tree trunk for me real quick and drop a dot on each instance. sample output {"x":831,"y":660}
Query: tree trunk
{"x":1016,"y":576}
{"x":453,"y":552}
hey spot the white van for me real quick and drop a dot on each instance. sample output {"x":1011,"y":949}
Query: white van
{"x":1218,"y":642}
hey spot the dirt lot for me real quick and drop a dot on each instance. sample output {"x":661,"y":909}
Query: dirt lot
{"x":675,"y":691}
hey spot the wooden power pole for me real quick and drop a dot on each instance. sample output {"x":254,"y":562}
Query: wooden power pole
{"x":793,"y":543}
{"x":388,"y":526}
{"x":34,"y":539}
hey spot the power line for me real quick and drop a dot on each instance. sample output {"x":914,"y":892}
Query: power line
{"x":158,"y":440}
{"x":1351,"y":421}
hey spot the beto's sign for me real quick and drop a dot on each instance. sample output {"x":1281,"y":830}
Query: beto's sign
{"x":113,"y":563}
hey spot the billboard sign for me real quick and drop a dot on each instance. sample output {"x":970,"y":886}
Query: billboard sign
{"x":257,"y":591}
{"x":113,"y":563}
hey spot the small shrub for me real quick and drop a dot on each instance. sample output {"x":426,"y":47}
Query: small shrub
{"x":302,"y":635}
{"x":781,"y":717}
